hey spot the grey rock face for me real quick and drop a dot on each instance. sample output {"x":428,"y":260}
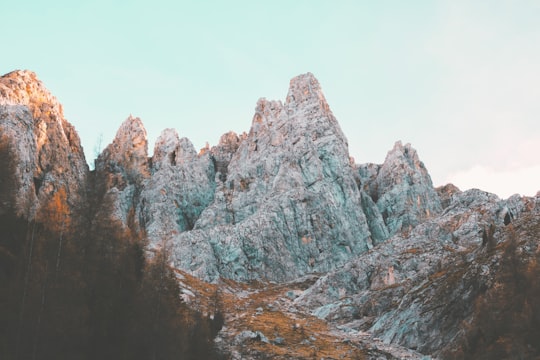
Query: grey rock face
{"x":43,"y":150}
{"x":276,"y":203}
{"x":289,"y":204}
{"x":121,"y":170}
{"x":446,"y":194}
{"x":377,"y":227}
{"x":222,"y":153}
{"x":401,"y":188}
{"x":180,"y":187}
{"x":418,"y":289}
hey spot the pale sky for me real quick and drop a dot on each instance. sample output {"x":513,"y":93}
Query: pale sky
{"x":458,"y":79}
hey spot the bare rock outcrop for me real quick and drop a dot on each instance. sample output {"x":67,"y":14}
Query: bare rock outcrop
{"x":419,"y":289}
{"x":180,"y":187}
{"x":44,"y":164}
{"x":402,"y":189}
{"x":222,"y":153}
{"x":279,"y":202}
{"x":121,"y":170}
{"x":289,"y":204}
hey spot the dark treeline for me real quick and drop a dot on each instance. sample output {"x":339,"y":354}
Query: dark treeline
{"x":68,"y":292}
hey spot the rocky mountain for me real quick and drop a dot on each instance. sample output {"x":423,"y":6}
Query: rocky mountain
{"x":120,"y":171}
{"x":291,"y":232}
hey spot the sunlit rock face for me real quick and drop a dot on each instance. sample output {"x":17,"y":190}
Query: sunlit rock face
{"x":41,"y":152}
{"x":287,"y":202}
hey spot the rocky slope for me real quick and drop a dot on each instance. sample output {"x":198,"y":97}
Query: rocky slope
{"x":419,"y":290}
{"x":181,"y":186}
{"x":370,"y":256}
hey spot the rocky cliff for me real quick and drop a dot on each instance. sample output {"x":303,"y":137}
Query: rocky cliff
{"x":274,"y":204}
{"x":419,"y":289}
{"x":287,"y":203}
{"x":279,"y":202}
{"x":373,"y":251}
{"x":44,"y":161}
{"x":121,"y":170}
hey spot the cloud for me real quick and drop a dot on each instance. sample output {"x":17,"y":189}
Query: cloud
{"x":486,"y":105}
{"x":503,"y":183}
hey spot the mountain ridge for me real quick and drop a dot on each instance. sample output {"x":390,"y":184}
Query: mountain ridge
{"x":393,"y":257}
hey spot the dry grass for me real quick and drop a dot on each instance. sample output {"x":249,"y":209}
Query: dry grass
{"x":412,"y":251}
{"x":305,"y":337}
{"x":437,"y":275}
{"x":262,"y":307}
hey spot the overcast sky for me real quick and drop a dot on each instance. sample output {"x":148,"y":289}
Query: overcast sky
{"x":459,"y":80}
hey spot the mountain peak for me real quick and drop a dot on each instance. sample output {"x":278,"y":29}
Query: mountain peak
{"x":132,"y":123}
{"x":131,"y":138}
{"x":22,"y":76}
{"x":22,"y":87}
{"x":405,"y":191}
{"x":304,"y":88}
{"x":165,"y":148}
{"x":407,"y":153}
{"x":403,"y":161}
{"x":305,"y":79}
{"x":129,"y":147}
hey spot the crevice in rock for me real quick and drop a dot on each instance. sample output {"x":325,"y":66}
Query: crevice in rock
{"x":507,"y":219}
{"x":38,"y":181}
{"x":172,"y":158}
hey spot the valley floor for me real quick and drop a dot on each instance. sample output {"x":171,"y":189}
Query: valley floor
{"x":262,"y":322}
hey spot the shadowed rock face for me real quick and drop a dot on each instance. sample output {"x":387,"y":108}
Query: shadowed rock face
{"x":121,"y":170}
{"x":402,"y":189}
{"x":41,"y":149}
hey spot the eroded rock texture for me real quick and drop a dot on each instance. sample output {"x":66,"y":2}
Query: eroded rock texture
{"x":121,"y":170}
{"x":402,"y":189}
{"x":421,"y":289}
{"x":287,"y":202}
{"x":279,"y":202}
{"x":43,"y":161}
{"x":180,"y":187}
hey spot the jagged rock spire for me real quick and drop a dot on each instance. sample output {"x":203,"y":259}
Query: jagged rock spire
{"x":181,"y":186}
{"x":129,"y":149}
{"x":303,"y":89}
{"x":402,"y":189}
{"x":280,"y":212}
{"x":121,"y":170}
